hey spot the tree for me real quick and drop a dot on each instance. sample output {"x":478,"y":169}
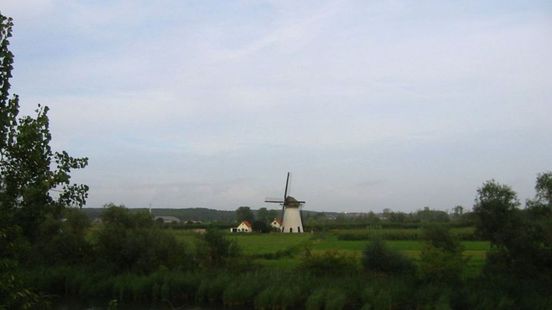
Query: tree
{"x":377,"y":257}
{"x":543,"y":188}
{"x":521,"y":255}
{"x":261,"y":226}
{"x":214,"y":249}
{"x":263,"y":216}
{"x":30,"y":170}
{"x":244,"y":214}
{"x":18,"y":187}
{"x":495,"y":212}
{"x":458,"y":211}
{"x":441,"y":258}
{"x":131,"y":242}
{"x":274,"y":214}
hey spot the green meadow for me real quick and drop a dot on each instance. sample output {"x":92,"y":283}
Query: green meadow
{"x":284,"y":250}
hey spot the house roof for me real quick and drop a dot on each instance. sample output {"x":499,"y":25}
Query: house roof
{"x":246,"y":223}
{"x":277,"y":221}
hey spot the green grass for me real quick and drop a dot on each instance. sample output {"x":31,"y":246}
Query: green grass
{"x":261,"y":244}
{"x":258,"y":244}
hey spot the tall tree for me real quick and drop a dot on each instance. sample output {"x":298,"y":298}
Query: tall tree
{"x":544,"y":188}
{"x":35,"y":181}
{"x":244,"y":214}
{"x":495,"y":212}
{"x":263,"y":216}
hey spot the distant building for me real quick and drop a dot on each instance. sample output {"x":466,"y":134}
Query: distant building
{"x":193,"y":222}
{"x":199,"y":230}
{"x":276,"y":224}
{"x":167,"y":219}
{"x":244,"y":226}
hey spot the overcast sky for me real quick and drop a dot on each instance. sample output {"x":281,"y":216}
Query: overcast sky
{"x":370,"y":104}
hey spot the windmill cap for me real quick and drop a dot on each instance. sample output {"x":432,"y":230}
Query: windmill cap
{"x":291,"y":202}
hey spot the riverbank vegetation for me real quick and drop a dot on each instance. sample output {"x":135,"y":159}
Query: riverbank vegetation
{"x":130,"y":258}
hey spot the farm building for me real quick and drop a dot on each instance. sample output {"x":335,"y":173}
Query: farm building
{"x":167,"y":219}
{"x":276,"y":224}
{"x":244,"y":226}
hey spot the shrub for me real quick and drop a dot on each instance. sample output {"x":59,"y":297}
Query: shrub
{"x":183,"y":286}
{"x":439,"y":236}
{"x":326,"y":298}
{"x":389,"y":292}
{"x":213,"y":248}
{"x":130,"y":242}
{"x":283,"y":296}
{"x":316,"y":300}
{"x":241,"y":291}
{"x":328,"y":262}
{"x":376,"y":257}
{"x":441,"y":258}
{"x":212,"y":287}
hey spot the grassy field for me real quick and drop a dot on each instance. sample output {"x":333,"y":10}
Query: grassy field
{"x":257,"y":246}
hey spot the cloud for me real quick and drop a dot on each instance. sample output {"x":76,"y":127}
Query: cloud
{"x":209,"y":103}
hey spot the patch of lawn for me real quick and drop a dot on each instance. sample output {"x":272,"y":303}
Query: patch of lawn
{"x":258,"y":244}
{"x":253,"y":244}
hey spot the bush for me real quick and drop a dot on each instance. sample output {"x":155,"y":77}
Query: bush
{"x":241,"y":291}
{"x":441,"y":258}
{"x":130,"y":242}
{"x":389,"y":292}
{"x":440,"y":266}
{"x":402,"y":234}
{"x":183,"y":286}
{"x":212,"y":287}
{"x":376,"y":257}
{"x":328,"y":262}
{"x":326,"y":298}
{"x":213,"y":249}
{"x":284,"y":289}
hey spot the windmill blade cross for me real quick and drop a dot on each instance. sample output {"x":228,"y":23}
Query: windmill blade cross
{"x":287,"y":183}
{"x":274,"y":201}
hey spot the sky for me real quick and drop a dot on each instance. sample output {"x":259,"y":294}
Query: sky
{"x":370,"y":104}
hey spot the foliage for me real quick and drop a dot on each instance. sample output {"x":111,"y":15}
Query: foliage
{"x":328,"y":262}
{"x":244,"y":214}
{"x":241,"y":291}
{"x":438,"y":265}
{"x":262,"y":227}
{"x":441,"y":258}
{"x":63,"y":242}
{"x":462,"y":233}
{"x":496,"y":212}
{"x":543,"y":188}
{"x":440,"y":236}
{"x":213,"y":249}
{"x":29,"y":172}
{"x":262,"y":215}
{"x":522,"y":251}
{"x":29,"y":169}
{"x":13,"y":293}
{"x":131,"y":242}
{"x":376,"y":257}
{"x":326,"y":298}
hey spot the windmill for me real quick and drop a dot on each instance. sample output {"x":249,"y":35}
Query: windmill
{"x":291,"y":211}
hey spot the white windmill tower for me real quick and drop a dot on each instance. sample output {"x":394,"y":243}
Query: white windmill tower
{"x":291,"y":212}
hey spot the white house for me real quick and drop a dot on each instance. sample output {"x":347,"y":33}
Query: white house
{"x":276,"y":224}
{"x":244,"y":226}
